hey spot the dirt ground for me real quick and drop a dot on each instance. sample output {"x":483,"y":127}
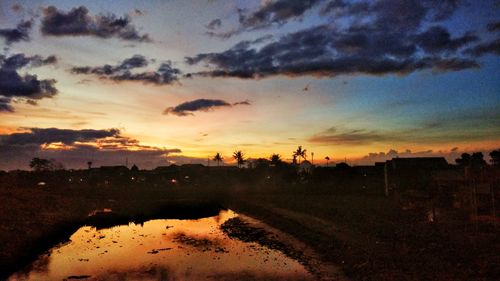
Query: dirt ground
{"x":366,"y":236}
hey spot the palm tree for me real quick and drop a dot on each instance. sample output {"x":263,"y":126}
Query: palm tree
{"x":300,"y":153}
{"x":239,"y":157}
{"x":275,"y":159}
{"x":327,"y":159}
{"x":218,"y":158}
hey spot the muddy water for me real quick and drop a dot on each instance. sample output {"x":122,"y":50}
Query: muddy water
{"x":166,"y":249}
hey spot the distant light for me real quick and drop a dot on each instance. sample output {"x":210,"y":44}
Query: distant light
{"x":42,"y":183}
{"x":186,"y":177}
{"x":132,"y":178}
{"x":173,"y":181}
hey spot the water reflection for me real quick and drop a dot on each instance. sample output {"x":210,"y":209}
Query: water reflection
{"x":162,"y":250}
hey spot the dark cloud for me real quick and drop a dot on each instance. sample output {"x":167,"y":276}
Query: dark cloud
{"x":447,"y":126}
{"x":272,"y":12}
{"x":245,"y":102}
{"x":165,"y":74}
{"x":74,"y":148}
{"x":363,"y":37}
{"x":18,"y":61}
{"x":398,"y":15}
{"x":27,"y":86}
{"x":393,"y":14}
{"x":39,"y":136}
{"x":5,"y":105}
{"x":214,"y":24}
{"x":17,"y":8}
{"x":136,"y":61}
{"x":276,"y":12}
{"x":438,"y":39}
{"x":17,"y":34}
{"x":187,"y":108}
{"x":491,"y":47}
{"x":138,"y":12}
{"x":348,"y":137}
{"x":493,"y":26}
{"x":453,"y":64}
{"x":326,"y":51}
{"x":78,"y":22}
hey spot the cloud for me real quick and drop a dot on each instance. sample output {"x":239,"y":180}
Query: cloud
{"x":187,"y":108}
{"x":385,"y":14}
{"x":78,"y":22}
{"x":493,"y":26}
{"x":276,"y":12}
{"x":5,"y":105}
{"x":18,"y":61}
{"x":27,"y":86}
{"x":491,"y":47}
{"x":39,"y":136}
{"x":270,"y":13}
{"x":474,"y":124}
{"x":74,"y":148}
{"x":438,"y":39}
{"x":17,"y":34}
{"x":325,"y":51}
{"x":165,"y":74}
{"x":361,"y":37}
{"x":214,"y":24}
{"x":245,"y":102}
{"x":349,"y":137}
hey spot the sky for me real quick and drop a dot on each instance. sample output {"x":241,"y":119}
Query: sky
{"x":162,"y":82}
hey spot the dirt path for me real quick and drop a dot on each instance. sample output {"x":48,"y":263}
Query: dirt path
{"x":305,"y":254}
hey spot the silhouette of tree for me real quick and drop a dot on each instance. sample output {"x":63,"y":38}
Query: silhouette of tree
{"x":218,"y":158}
{"x":276,"y":159}
{"x":300,"y":153}
{"x":464,"y":160}
{"x":239,"y":157}
{"x":495,"y":157}
{"x":477,"y":160}
{"x":89,"y":164}
{"x":134,"y":168}
{"x":327,"y":159}
{"x":40,"y":164}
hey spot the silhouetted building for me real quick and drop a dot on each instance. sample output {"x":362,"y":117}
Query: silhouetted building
{"x":402,"y":174}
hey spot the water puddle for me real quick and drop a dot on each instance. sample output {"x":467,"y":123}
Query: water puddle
{"x":166,"y":249}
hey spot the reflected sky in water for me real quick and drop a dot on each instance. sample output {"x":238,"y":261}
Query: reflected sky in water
{"x":162,"y":250}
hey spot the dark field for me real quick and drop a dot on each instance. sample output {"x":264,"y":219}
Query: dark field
{"x":347,"y":220}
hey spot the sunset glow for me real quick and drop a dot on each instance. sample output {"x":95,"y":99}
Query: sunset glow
{"x":178,"y":81}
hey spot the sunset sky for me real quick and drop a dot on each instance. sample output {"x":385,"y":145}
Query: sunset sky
{"x":176,"y":81}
